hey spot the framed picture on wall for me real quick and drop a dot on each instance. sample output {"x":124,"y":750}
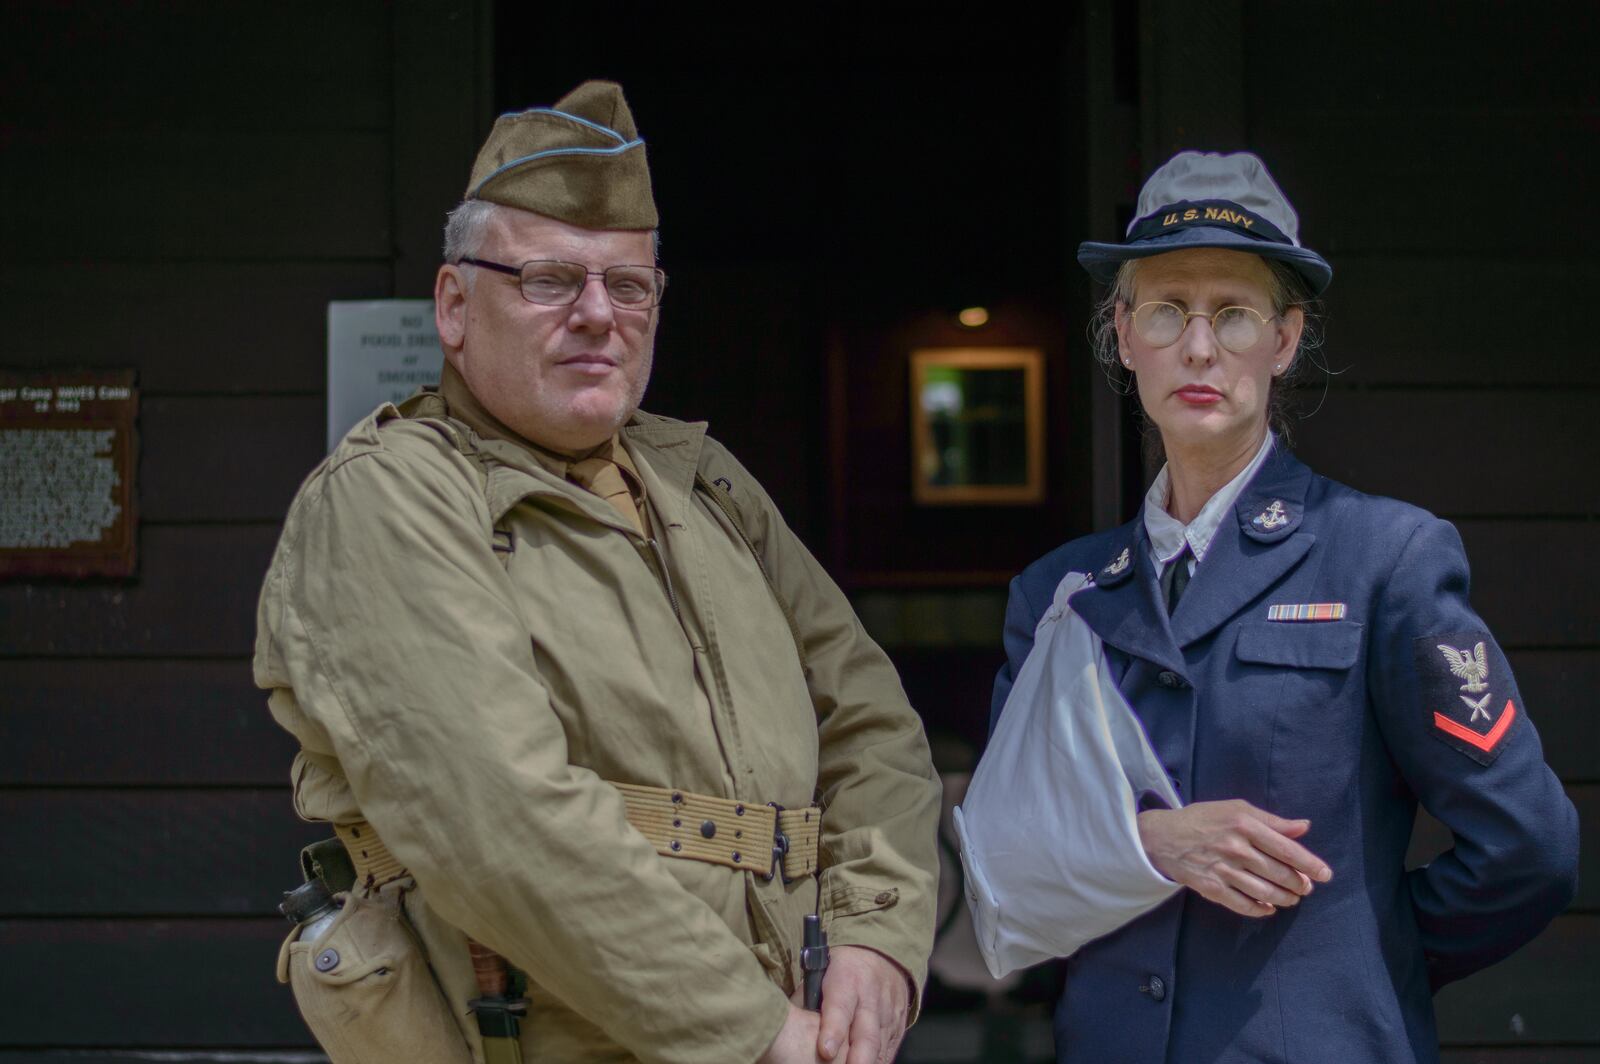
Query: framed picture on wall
{"x":977,"y":426}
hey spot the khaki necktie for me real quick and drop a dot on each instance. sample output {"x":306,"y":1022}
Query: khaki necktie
{"x":603,"y":477}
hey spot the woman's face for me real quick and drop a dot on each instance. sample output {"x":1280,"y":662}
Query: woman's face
{"x":1201,"y":395}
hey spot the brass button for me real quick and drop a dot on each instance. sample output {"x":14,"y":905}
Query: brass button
{"x":883,"y":898}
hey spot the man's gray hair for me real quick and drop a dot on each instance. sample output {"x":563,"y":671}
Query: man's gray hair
{"x":467,"y":225}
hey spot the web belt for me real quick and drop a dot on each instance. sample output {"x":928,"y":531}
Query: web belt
{"x":766,"y":840}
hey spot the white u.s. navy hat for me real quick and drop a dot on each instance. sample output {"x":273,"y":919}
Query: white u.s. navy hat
{"x":1210,"y":200}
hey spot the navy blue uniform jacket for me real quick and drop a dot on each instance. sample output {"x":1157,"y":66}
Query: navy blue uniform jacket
{"x":1349,"y":723}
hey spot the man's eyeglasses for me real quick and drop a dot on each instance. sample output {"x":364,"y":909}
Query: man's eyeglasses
{"x":1160,"y":324}
{"x":551,"y":283}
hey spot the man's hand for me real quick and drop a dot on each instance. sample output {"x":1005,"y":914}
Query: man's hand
{"x":865,"y":997}
{"x":797,"y":1040}
{"x":1233,"y":854}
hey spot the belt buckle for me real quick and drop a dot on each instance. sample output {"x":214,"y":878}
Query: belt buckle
{"x":780,"y":846}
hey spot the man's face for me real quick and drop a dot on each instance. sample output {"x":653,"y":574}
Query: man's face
{"x":564,"y":377}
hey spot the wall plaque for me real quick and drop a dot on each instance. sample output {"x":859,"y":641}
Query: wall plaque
{"x":68,"y":451}
{"x":379,"y":351}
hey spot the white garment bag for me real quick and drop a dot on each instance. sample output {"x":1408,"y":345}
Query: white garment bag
{"x":1049,"y":840}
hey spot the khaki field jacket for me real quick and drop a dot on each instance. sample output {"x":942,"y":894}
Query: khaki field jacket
{"x":470,"y":650}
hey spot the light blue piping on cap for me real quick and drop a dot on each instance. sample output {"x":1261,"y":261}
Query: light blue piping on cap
{"x":597,"y":127}
{"x":548,"y":152}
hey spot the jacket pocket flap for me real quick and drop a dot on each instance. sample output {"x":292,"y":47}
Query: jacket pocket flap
{"x":324,"y":962}
{"x":1308,"y":645}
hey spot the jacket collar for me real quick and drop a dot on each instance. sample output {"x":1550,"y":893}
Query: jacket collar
{"x":668,"y":454}
{"x":1168,"y":535}
{"x":515,"y":468}
{"x":1124,"y":606}
{"x":491,"y":435}
{"x":1250,"y":552}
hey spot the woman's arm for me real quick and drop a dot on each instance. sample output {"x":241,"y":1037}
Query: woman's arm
{"x":1457,"y":728}
{"x":1228,"y":852}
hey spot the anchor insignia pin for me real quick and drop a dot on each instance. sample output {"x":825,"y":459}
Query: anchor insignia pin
{"x":1471,"y":666}
{"x":1120,"y":564}
{"x":1272,"y":517}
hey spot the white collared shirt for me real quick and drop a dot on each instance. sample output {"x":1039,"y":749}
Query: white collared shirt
{"x":1168,"y":535}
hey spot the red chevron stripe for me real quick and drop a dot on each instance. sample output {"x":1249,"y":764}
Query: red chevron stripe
{"x":1482,"y":742}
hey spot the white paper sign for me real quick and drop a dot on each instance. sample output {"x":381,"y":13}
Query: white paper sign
{"x":379,"y":351}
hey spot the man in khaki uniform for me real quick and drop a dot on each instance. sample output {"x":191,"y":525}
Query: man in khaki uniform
{"x":564,"y":657}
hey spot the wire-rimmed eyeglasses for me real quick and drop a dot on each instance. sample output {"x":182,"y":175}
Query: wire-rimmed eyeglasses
{"x":1159,"y":324}
{"x":552,"y":283}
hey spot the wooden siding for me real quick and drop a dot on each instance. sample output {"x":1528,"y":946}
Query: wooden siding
{"x":186,"y":188}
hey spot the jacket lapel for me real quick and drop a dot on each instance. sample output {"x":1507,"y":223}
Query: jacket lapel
{"x":1124,"y":605}
{"x":1251,"y":553}
{"x":667,"y":453}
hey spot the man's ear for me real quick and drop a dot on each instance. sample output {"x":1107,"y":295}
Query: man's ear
{"x":450,"y":310}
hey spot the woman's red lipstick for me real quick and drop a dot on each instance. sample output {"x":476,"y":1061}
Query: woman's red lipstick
{"x":1199,"y":394}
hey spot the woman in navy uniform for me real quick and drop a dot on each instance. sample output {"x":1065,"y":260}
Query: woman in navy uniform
{"x":1307,"y":667}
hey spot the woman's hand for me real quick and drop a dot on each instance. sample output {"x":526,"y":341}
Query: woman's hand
{"x":1233,"y":854}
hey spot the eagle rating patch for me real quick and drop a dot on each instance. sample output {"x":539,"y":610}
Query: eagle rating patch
{"x":1466,"y":690}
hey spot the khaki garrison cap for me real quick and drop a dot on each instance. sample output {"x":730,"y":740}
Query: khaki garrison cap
{"x":581,"y":162}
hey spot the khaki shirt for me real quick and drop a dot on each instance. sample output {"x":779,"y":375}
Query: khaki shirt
{"x":472,"y":703}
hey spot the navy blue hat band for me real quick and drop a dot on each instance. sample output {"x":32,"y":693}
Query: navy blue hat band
{"x":1216,"y":214}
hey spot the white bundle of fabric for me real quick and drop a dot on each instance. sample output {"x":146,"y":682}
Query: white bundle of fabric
{"x":1048,"y":830}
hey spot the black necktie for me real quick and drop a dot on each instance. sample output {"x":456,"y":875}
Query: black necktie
{"x":1176,"y":578}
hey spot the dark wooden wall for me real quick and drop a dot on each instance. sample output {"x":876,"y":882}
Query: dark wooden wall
{"x":183,"y":188}
{"x":1442,"y":156}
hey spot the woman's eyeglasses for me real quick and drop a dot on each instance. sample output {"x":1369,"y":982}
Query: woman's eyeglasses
{"x":1159,"y":324}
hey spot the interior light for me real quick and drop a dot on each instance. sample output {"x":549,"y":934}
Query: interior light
{"x":972,"y":317}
